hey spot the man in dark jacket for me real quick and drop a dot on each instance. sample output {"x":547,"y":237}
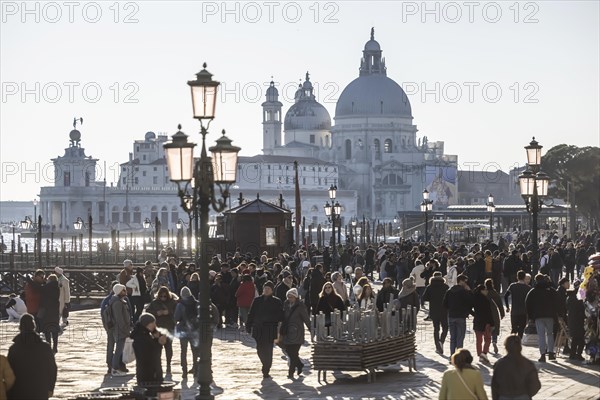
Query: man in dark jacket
{"x":541,"y":308}
{"x":32,"y":361}
{"x":317,"y":281}
{"x":265,"y":313}
{"x":459,"y":303}
{"x":517,"y":291}
{"x":147,"y":345}
{"x":386,"y":294}
{"x":576,"y":315}
{"x":434,"y":294}
{"x":512,"y":264}
{"x":555,"y":262}
{"x":515,"y":377}
{"x":476,"y":271}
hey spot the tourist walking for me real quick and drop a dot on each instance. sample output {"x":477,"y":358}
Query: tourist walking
{"x":434,"y":294}
{"x":459,"y":303}
{"x":64,"y":298}
{"x":540,"y":303}
{"x":516,"y":293}
{"x":147,"y":346}
{"x":295,"y":318}
{"x":163,"y":309}
{"x":497,"y":310}
{"x":515,"y":377}
{"x":187,"y":329}
{"x":576,"y":323}
{"x":265,"y":314}
{"x":463,"y":382}
{"x":244,"y":296}
{"x":484,"y":320}
{"x":33,"y":293}
{"x":32,"y":362}
{"x":117,"y":320}
{"x":48,"y":313}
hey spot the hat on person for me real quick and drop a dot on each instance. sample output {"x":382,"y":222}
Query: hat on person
{"x":118,"y":288}
{"x":269,"y":284}
{"x":146,"y":318}
{"x":127,"y":263}
{"x":27,"y":323}
{"x":286,"y":273}
{"x":408,"y":286}
{"x":185,"y":292}
{"x":293,"y":292}
{"x":212,"y":273}
{"x":58,"y":270}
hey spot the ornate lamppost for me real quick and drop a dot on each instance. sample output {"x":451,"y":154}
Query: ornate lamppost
{"x":491,"y":208}
{"x":426,"y":206}
{"x":333,"y":212}
{"x":534,"y":188}
{"x":147,"y":224}
{"x":78,"y":225}
{"x":196,"y":180}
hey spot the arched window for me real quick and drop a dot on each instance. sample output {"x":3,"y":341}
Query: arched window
{"x":377,"y":148}
{"x":348,"y":149}
{"x":164,"y":216}
{"x":387,"y":146}
{"x":153,"y":213}
{"x":125,"y":215}
{"x":137,"y":215}
{"x":115,"y":214}
{"x":174,"y":214}
{"x":392,"y":180}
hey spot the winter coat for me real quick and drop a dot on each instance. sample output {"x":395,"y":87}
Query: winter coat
{"x":33,"y":296}
{"x":124,"y":277}
{"x":186,"y":318}
{"x":65,"y":291}
{"x":540,"y":302}
{"x":451,"y":276}
{"x":245,"y":294}
{"x":453,"y":388}
{"x":328,"y":303}
{"x":416,"y":274}
{"x":412,"y":299}
{"x":295,"y":318}
{"x":121,"y":316}
{"x":459,"y":302}
{"x":219,"y":294}
{"x":194,"y":287}
{"x":166,"y":321}
{"x":7,"y":377}
{"x":385,"y":296}
{"x":495,"y":297}
{"x":265,"y":314}
{"x":49,"y":313}
{"x":576,"y":315}
{"x":281,"y":291}
{"x":133,"y":286}
{"x":340,"y":288}
{"x":518,"y":291}
{"x":561,"y":302}
{"x":476,"y":273}
{"x":317,"y":281}
{"x":147,"y":351}
{"x":434,"y":294}
{"x":514,"y":375}
{"x":483,"y":314}
{"x":32,"y":361}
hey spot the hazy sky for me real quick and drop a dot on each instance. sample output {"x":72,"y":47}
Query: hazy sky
{"x":484,"y":77}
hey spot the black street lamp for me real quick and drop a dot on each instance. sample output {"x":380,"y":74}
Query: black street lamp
{"x":426,"y":206}
{"x":79,"y":224}
{"x":534,"y":188}
{"x":491,"y":209}
{"x":196,"y":188}
{"x":333,"y":212}
{"x":147,"y":224}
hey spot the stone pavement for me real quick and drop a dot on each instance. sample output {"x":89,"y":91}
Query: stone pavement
{"x":82,"y":368}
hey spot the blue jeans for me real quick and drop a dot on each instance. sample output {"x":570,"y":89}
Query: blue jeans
{"x":118,"y":355}
{"x":544,"y":328}
{"x":458,"y":329}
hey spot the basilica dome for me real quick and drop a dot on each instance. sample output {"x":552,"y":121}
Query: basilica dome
{"x":306,"y":113}
{"x":373,"y":93}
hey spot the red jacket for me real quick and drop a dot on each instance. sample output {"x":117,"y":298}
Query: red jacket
{"x":245,"y":294}
{"x":33,"y":294}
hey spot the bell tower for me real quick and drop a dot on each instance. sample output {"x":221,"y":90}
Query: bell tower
{"x":271,"y":120}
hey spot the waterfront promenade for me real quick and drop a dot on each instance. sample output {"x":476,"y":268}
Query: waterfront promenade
{"x":82,"y":368}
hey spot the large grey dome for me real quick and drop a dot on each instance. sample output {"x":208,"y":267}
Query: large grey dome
{"x":373,"y":95}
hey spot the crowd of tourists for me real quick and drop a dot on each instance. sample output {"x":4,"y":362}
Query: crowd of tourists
{"x":273,"y":298}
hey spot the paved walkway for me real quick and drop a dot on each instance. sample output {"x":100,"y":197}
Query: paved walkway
{"x":81,"y":368}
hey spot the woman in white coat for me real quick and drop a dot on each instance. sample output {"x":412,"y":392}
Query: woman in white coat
{"x":64,"y":297}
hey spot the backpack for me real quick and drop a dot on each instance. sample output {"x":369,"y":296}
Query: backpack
{"x":108,"y":319}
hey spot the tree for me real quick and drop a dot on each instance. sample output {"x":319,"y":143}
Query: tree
{"x":575,"y":176}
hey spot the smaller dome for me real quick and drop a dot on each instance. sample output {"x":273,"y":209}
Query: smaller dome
{"x":149,"y":136}
{"x":372,"y":45}
{"x":75,"y":135}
